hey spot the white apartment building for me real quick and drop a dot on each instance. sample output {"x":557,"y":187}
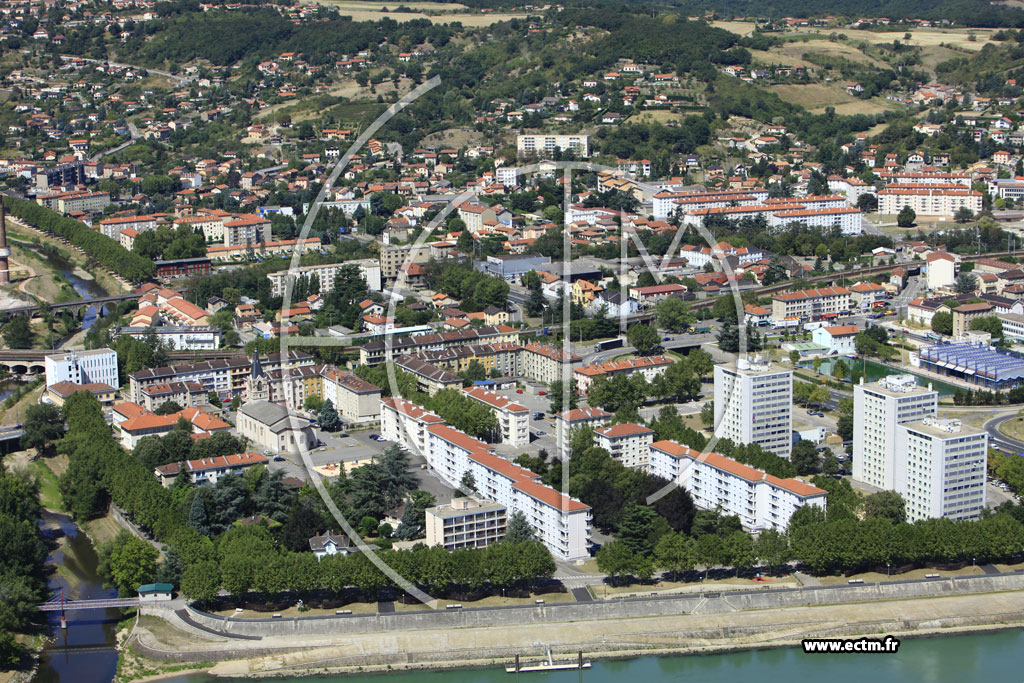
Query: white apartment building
{"x":369,"y":268}
{"x":513,"y":419}
{"x":928,"y":202}
{"x":811,"y":304}
{"x":542,"y":145}
{"x":405,"y":423}
{"x":247,"y":229}
{"x":466,"y":523}
{"x":562,"y":523}
{"x":754,"y":404}
{"x":577,"y":418}
{"x":846,"y":218}
{"x":83,"y":367}
{"x":355,"y":399}
{"x":177,"y":337}
{"x":507,"y":176}
{"x":666,"y":202}
{"x":714,"y":481}
{"x":629,"y":443}
{"x":944,"y":468}
{"x":112,"y":227}
{"x":878,"y":408}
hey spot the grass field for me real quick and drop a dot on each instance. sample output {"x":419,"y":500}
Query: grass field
{"x":355,"y":11}
{"x":957,"y":37}
{"x":795,"y":51}
{"x":817,"y":96}
{"x":655,"y":116}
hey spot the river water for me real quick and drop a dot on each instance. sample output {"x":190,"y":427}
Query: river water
{"x":992,"y":657}
{"x":85,"y":650}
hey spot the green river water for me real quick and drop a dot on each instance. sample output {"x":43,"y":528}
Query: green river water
{"x":984,"y":658}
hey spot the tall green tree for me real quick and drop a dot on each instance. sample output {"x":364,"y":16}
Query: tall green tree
{"x":127,"y":562}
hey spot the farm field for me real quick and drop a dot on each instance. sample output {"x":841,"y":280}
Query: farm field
{"x":817,"y":96}
{"x":358,"y":13}
{"x":921,"y":37}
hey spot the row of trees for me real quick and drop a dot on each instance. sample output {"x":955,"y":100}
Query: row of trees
{"x":22,"y":557}
{"x":107,"y":252}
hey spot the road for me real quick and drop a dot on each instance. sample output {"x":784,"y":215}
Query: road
{"x":165,"y":74}
{"x":134,"y":134}
{"x":998,"y":438}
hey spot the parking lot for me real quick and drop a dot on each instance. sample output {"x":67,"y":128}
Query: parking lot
{"x":357,"y":445}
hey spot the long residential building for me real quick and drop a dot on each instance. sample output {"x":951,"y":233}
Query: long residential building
{"x":715,"y":482}
{"x":546,"y":363}
{"x":325,"y":274}
{"x":227,"y":378}
{"x":928,"y":202}
{"x":380,"y":350}
{"x":405,"y":423}
{"x":648,"y":366}
{"x":430,"y":379}
{"x":543,"y":145}
{"x":754,"y":404}
{"x":811,"y":304}
{"x":562,"y":523}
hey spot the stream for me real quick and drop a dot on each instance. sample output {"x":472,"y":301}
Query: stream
{"x":85,"y":650}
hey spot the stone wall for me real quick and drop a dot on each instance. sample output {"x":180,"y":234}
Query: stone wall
{"x":708,"y":603}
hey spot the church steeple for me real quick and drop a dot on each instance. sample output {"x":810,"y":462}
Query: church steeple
{"x":257,"y":366}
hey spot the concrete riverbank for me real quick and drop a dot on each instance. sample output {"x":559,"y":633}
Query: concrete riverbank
{"x":620,"y":629}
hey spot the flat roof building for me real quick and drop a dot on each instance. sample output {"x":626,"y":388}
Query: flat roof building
{"x":878,"y":408}
{"x":944,"y":469}
{"x":754,"y":404}
{"x":466,"y":523}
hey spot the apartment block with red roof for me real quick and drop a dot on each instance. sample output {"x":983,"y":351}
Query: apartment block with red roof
{"x":562,"y":523}
{"x":209,"y":470}
{"x":513,"y":419}
{"x":566,"y":423}
{"x":629,"y":443}
{"x":648,"y":366}
{"x":811,"y":304}
{"x":716,"y":482}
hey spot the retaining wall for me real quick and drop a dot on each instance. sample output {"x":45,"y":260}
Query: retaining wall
{"x":708,"y":603}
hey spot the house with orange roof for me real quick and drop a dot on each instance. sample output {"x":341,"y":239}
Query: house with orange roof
{"x":209,"y":470}
{"x":837,"y":339}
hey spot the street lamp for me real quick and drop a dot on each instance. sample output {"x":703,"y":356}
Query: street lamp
{"x":887,"y":574}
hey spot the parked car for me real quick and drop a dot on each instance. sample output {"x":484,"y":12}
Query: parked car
{"x":278,"y":458}
{"x":538,"y":416}
{"x":375,"y":437}
{"x":810,"y":412}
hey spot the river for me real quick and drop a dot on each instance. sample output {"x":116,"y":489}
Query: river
{"x":86,"y":288}
{"x":991,"y":656}
{"x":85,"y":650}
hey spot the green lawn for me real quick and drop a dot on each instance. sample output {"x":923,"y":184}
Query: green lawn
{"x":49,"y":493}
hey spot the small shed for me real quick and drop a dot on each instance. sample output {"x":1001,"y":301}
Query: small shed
{"x":155,"y":592}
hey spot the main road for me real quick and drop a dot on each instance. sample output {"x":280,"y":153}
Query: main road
{"x":997,"y":438}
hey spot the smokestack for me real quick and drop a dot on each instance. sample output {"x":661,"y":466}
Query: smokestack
{"x":5,"y":252}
